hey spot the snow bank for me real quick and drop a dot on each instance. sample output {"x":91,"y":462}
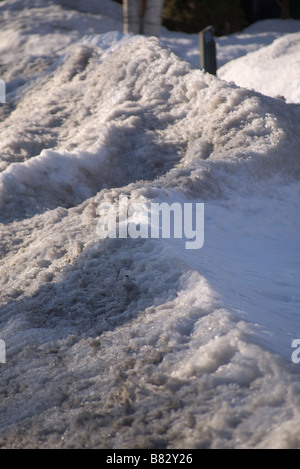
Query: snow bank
{"x":273,"y":70}
{"x":154,"y":114}
{"x":256,"y":36}
{"x":139,"y":343}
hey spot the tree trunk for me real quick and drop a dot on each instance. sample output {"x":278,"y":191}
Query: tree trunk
{"x":142,"y":16}
{"x":132,"y":11}
{"x":152,"y":18}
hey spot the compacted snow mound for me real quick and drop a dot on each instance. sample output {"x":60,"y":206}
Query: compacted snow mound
{"x":140,"y":343}
{"x":154,"y":114}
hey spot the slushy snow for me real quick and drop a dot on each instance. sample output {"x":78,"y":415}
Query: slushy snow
{"x":141,"y":343}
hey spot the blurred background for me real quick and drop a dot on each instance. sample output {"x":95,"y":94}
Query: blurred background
{"x":226,"y":16}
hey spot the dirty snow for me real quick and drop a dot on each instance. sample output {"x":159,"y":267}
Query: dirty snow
{"x":140,"y":343}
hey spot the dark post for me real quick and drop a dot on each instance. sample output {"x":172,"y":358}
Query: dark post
{"x":208,"y":50}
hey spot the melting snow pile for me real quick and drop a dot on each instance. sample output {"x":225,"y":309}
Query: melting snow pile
{"x":141,"y":343}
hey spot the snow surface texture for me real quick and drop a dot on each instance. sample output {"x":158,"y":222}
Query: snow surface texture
{"x":273,"y":70}
{"x":124,"y":343}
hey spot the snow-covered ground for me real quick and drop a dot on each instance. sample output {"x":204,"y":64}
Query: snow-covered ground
{"x":141,"y":343}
